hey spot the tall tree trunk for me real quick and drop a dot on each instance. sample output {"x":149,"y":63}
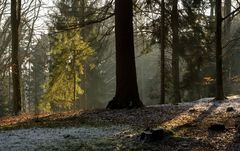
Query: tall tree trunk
{"x":36,"y":111}
{"x":10,"y":101}
{"x":162,"y":101}
{"x":175,"y":54}
{"x":15,"y":24}
{"x":127,"y":95}
{"x":29,"y":90}
{"x":9,"y":91}
{"x":212,"y":7}
{"x":212,"y":18}
{"x":227,"y":34}
{"x":227,"y":21}
{"x":74,"y":76}
{"x":219,"y":79}
{"x":84,"y":33}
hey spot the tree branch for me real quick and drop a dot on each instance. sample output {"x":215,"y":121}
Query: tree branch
{"x":81,"y":25}
{"x":229,"y":42}
{"x":232,"y":13}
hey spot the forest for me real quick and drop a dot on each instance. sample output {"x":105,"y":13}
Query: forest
{"x":120,"y":75}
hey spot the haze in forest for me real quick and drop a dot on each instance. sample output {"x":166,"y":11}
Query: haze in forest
{"x":67,"y":53}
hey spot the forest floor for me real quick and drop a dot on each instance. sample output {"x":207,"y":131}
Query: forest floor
{"x":121,"y":129}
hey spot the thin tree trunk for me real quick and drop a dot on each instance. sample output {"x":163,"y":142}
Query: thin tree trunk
{"x":74,"y":76}
{"x":219,"y":77}
{"x":10,"y":106}
{"x":84,"y":32}
{"x":85,"y":103}
{"x":29,"y":100}
{"x":35,"y":92}
{"x":84,"y":86}
{"x":212,"y":8}
{"x":175,"y":54}
{"x":127,"y":95}
{"x":227,"y":21}
{"x":227,"y":33}
{"x":15,"y":24}
{"x":162,"y":101}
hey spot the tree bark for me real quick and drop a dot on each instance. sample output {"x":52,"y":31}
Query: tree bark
{"x":175,"y":54}
{"x":162,"y":101}
{"x":212,"y":7}
{"x":227,"y":21}
{"x":74,"y":76}
{"x":227,"y":35}
{"x":36,"y":111}
{"x":15,"y":24}
{"x":219,"y":77}
{"x":127,"y":95}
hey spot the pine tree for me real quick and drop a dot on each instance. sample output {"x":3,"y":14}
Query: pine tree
{"x":127,"y":95}
{"x":15,"y":25}
{"x":68,"y":52}
{"x":175,"y":51}
{"x":163,"y":39}
{"x":219,"y":73}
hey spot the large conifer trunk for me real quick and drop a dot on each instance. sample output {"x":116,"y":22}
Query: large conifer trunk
{"x":127,"y":95}
{"x":175,"y":49}
{"x":219,"y":77}
{"x":162,"y":99}
{"x":15,"y":24}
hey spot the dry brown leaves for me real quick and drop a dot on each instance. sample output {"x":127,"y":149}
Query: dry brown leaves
{"x":187,"y":120}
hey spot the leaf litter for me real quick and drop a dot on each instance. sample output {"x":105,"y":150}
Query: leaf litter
{"x":121,"y":129}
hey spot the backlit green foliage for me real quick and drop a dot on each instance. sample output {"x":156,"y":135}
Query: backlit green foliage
{"x":68,"y":53}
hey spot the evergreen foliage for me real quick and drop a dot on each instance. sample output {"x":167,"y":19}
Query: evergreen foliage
{"x":68,"y":52}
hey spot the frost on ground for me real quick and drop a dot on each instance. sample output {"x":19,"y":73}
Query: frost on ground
{"x":101,"y":130}
{"x":72,"y":138}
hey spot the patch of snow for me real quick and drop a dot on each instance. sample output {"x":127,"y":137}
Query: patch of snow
{"x":234,"y":97}
{"x":207,"y":103}
{"x":31,"y":139}
{"x":204,"y":100}
{"x":218,"y":106}
{"x":160,"y":105}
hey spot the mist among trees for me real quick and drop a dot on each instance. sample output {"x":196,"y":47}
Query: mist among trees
{"x":81,"y":54}
{"x":119,"y":75}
